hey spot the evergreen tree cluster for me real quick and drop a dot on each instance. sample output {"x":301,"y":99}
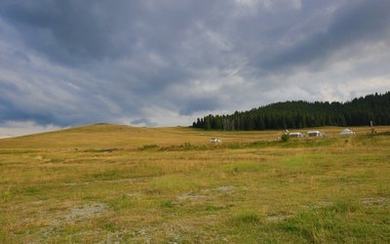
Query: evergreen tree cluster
{"x":301,"y":114}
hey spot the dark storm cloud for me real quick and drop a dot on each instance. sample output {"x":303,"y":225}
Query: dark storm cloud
{"x":82,"y":31}
{"x":74,"y":31}
{"x":168,"y":61}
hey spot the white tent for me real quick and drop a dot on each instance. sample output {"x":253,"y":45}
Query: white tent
{"x":295,"y":134}
{"x":215,"y":140}
{"x":314,"y":133}
{"x":347,"y":132}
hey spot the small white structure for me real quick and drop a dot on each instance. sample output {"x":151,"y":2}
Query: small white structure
{"x":347,"y":132}
{"x":314,"y":133}
{"x":215,"y":140}
{"x":295,"y":134}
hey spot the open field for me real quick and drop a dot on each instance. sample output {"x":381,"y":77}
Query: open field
{"x":116,"y":183}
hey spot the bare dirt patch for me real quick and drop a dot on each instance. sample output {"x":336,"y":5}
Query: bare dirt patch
{"x":191,"y":196}
{"x":277,"y":218}
{"x":225,"y":189}
{"x":71,"y":215}
{"x":375,"y":201}
{"x":206,"y":194}
{"x":85,"y":211}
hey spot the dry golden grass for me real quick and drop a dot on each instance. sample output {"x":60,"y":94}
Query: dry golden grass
{"x":118,"y":183}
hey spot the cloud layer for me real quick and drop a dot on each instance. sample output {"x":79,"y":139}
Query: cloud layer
{"x":165,"y":62}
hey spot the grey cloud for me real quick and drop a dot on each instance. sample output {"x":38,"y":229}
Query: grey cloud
{"x":143,"y":121}
{"x":15,"y":128}
{"x":71,"y":31}
{"x":356,"y":23}
{"x":199,"y":104}
{"x":74,"y":31}
{"x":168,"y":61}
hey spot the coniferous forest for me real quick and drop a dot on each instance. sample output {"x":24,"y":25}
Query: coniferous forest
{"x":300,"y":114}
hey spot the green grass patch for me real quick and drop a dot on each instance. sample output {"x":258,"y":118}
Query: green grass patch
{"x":240,"y":167}
{"x":167,"y":204}
{"x":246,"y":218}
{"x":102,"y":150}
{"x":122,"y":202}
{"x":149,"y":147}
{"x":340,"y":222}
{"x":6,"y":195}
{"x":32,"y":191}
{"x":213,"y":208}
{"x":108,"y":175}
{"x":175,"y":183}
{"x":296,"y":161}
{"x":308,"y":142}
{"x":110,"y":226}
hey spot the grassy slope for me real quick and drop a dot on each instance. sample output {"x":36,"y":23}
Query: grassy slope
{"x":106,"y":182}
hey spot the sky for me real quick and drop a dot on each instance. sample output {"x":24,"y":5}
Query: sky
{"x":167,"y":62}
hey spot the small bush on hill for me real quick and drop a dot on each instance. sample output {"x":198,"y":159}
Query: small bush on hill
{"x":285,"y":137}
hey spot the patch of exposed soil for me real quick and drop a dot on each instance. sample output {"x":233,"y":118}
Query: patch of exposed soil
{"x":375,"y":201}
{"x":85,"y":211}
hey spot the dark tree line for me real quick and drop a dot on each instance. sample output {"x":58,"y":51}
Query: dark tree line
{"x":300,"y":114}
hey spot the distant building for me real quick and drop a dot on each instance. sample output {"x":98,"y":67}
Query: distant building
{"x":314,"y":133}
{"x":295,"y":134}
{"x":347,"y":132}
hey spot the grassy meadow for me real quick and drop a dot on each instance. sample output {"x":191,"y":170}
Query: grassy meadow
{"x":109,"y":183}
